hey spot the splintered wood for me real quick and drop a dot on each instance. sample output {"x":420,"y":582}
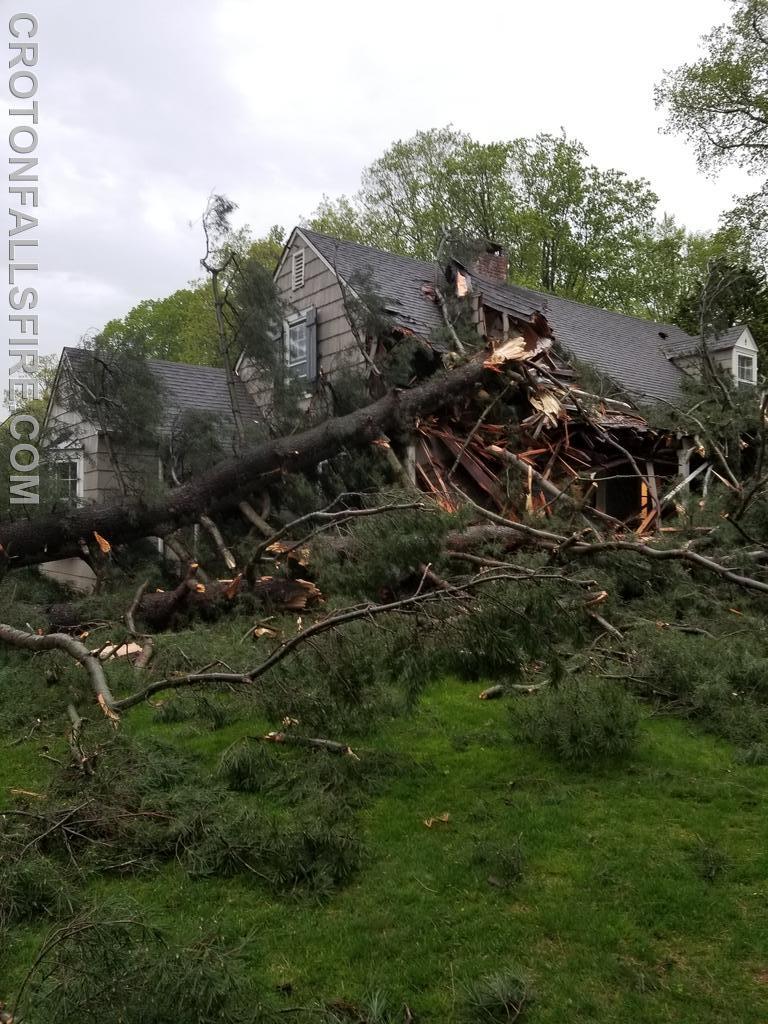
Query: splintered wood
{"x":291,"y":595}
{"x":545,"y":448}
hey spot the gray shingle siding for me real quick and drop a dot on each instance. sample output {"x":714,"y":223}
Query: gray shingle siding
{"x":336,"y":346}
{"x":398,"y":279}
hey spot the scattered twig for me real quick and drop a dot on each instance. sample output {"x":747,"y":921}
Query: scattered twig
{"x":606,"y":625}
{"x":306,"y":741}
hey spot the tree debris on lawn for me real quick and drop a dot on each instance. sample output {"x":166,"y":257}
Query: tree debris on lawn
{"x":286,"y":594}
{"x":441,"y":819}
{"x":306,"y":741}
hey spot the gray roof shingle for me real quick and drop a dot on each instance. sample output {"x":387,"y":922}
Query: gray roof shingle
{"x":398,"y":279}
{"x":726,"y":339}
{"x":628,"y":349}
{"x":635,"y":353}
{"x":188,"y":387}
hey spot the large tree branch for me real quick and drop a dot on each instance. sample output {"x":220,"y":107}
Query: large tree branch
{"x":570,"y":546}
{"x":327,"y":519}
{"x":29,"y":541}
{"x":363,"y":611}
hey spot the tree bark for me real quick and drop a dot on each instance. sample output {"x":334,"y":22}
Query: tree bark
{"x":252,"y":516}
{"x":219,"y":543}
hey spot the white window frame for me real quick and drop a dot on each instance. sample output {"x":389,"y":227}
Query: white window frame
{"x":75,"y":457}
{"x":298,"y":266}
{"x":300,"y":319}
{"x":747,"y":358}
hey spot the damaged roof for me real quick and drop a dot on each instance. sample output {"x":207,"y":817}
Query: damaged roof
{"x":628,"y":349}
{"x":636,"y":353}
{"x":398,"y":279}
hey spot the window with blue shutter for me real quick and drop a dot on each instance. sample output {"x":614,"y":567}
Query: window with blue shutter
{"x":300,"y":344}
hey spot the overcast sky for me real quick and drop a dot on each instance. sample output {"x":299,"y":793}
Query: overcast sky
{"x":146,"y":107}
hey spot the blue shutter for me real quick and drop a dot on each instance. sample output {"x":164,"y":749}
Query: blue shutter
{"x":311,"y":324}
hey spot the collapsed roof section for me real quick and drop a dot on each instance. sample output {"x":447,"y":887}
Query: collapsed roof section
{"x":411,"y":288}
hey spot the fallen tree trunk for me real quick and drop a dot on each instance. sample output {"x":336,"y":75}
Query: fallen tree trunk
{"x":29,"y":541}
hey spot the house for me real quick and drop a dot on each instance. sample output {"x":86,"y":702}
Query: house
{"x":648,"y":360}
{"x":641,"y":363}
{"x":566,"y":436}
{"x":84,"y":465}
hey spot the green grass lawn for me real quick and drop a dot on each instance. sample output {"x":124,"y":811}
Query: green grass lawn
{"x":614,"y":918}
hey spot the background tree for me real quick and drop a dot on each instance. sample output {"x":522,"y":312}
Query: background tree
{"x":579,"y":228}
{"x":743,"y":301}
{"x":114,"y":390}
{"x":568,"y":226}
{"x":182,"y":327}
{"x":719,"y":102}
{"x":267,"y":250}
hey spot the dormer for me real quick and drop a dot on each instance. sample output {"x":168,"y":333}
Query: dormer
{"x":734,"y":351}
{"x":744,"y":358}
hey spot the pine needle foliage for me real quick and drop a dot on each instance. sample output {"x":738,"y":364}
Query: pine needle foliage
{"x":380,"y":552}
{"x":726,"y":696}
{"x":296,"y":776}
{"x":107,"y":965}
{"x":581,"y":723}
{"x":506,"y":627}
{"x":32,"y":886}
{"x":145,"y":807}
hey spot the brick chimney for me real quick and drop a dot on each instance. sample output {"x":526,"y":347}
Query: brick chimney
{"x":493,"y":264}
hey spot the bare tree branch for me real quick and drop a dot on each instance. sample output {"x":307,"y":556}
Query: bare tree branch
{"x":62,"y":642}
{"x":364,"y":611}
{"x":219,"y":543}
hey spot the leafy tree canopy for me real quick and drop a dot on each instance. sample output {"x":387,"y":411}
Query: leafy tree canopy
{"x":719,"y":102}
{"x":180,"y":327}
{"x":569,"y":226}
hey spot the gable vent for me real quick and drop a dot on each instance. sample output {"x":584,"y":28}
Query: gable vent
{"x":298,"y":269}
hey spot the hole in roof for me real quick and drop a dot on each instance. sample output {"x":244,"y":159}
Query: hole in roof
{"x":663,"y":334}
